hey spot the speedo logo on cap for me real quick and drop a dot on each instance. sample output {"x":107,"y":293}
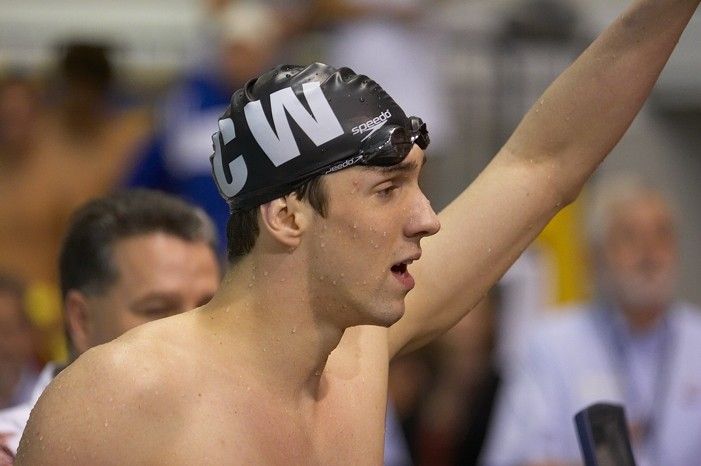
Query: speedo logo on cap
{"x":372,"y":125}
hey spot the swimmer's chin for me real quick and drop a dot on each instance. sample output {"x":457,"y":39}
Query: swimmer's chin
{"x":391,"y":316}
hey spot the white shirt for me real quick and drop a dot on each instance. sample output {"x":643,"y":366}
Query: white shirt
{"x":14,"y":419}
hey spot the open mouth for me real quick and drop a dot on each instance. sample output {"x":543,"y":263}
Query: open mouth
{"x":399,"y":268}
{"x":401,"y":273}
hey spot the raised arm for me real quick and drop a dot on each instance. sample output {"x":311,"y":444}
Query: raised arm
{"x":541,"y":168}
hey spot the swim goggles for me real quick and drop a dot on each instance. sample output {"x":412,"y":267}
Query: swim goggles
{"x":387,"y":146}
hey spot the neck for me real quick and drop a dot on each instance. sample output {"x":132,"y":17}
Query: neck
{"x":264,"y":311}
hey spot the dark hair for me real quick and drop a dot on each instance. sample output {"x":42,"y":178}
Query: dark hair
{"x":242,"y":228}
{"x":85,"y":261}
{"x":87,"y":63}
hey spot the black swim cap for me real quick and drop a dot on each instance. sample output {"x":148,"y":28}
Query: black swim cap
{"x":293,"y":123}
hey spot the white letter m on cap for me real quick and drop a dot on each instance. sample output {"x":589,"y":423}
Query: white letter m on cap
{"x":321,"y":126}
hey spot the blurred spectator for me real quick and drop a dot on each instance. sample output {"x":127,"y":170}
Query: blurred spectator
{"x":18,"y":371}
{"x":34,"y":204}
{"x":18,"y":112}
{"x":30,"y":198}
{"x":127,"y":259}
{"x":95,"y":136}
{"x":636,"y":345}
{"x":177,"y":157}
{"x":54,"y":157}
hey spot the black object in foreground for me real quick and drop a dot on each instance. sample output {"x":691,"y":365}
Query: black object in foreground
{"x":603,"y":435}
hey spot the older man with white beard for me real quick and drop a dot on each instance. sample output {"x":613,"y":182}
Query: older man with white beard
{"x":635,"y":345}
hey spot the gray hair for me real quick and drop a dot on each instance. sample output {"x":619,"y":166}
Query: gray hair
{"x":611,"y":192}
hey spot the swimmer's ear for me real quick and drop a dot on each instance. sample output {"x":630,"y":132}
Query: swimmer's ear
{"x":78,"y":319}
{"x":285,"y":219}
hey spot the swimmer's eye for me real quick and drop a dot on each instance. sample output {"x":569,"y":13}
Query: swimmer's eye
{"x":387,"y":191}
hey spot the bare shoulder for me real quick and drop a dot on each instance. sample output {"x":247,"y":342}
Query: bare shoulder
{"x":114,"y":394}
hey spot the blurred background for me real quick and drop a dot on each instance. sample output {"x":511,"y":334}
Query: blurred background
{"x":101,"y":94}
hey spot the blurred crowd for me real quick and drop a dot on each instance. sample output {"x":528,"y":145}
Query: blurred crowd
{"x":78,"y":131}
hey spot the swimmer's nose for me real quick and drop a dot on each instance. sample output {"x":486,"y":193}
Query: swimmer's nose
{"x":423,"y":221}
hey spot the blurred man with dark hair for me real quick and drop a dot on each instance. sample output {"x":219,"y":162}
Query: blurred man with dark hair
{"x":127,"y":259}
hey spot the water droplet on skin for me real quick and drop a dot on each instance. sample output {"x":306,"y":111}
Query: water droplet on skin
{"x":294,"y":330}
{"x":107,"y":423}
{"x":250,"y":285}
{"x":355,"y":226}
{"x":334,"y":282}
{"x":323,"y":245}
{"x":265,"y":273}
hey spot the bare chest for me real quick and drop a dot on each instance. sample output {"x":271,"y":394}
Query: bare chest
{"x":339,"y":428}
